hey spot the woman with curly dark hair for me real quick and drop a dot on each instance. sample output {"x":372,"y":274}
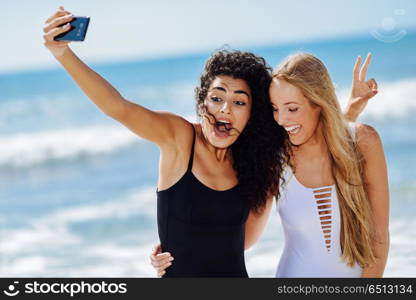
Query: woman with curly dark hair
{"x":214,"y":174}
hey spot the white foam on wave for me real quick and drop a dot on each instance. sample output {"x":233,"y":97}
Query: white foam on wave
{"x":26,"y":149}
{"x":39,"y":249}
{"x":49,"y":248}
{"x":395,"y":100}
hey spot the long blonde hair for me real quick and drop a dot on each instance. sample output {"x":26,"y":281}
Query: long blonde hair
{"x":310,"y":75}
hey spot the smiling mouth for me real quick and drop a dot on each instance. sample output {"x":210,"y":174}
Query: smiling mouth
{"x":293,"y":130}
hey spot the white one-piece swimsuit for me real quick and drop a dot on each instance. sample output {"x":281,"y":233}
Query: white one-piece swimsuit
{"x":312,"y":226}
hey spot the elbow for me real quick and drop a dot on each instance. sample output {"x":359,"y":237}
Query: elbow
{"x":116,"y":111}
{"x":382,"y":245}
{"x":383,"y":238}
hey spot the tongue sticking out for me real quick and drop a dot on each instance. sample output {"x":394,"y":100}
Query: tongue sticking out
{"x":223,"y":128}
{"x":228,"y":127}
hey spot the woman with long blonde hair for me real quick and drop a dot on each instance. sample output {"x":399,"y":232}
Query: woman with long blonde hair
{"x":334,"y":199}
{"x":334,"y":203}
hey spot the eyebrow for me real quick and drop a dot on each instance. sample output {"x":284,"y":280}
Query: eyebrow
{"x":242,"y":92}
{"x":235,"y":92}
{"x":289,"y":102}
{"x":219,"y":88}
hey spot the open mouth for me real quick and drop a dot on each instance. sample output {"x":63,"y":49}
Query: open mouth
{"x":293,"y":130}
{"x":222,"y":128}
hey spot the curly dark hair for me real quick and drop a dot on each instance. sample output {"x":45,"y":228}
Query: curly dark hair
{"x":260,"y":152}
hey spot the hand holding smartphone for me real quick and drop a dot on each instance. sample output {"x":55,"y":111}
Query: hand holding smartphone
{"x":78,"y":31}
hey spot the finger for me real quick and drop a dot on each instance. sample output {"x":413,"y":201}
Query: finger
{"x":164,"y":267}
{"x":161,"y":262}
{"x":58,"y":13}
{"x":57,"y":22}
{"x":163,"y":255}
{"x":356,"y":69}
{"x":161,"y":273}
{"x":157,"y":261}
{"x":370,"y":95}
{"x":372,"y":84}
{"x":363,"y":71}
{"x":165,"y":261}
{"x":160,"y":258}
{"x":56,"y":31}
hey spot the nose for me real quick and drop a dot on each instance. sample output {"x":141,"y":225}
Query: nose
{"x":281,"y":118}
{"x":225,"y":108}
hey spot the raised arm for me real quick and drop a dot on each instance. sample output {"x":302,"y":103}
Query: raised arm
{"x":158,"y":127}
{"x":362,"y":90}
{"x":377,"y":187}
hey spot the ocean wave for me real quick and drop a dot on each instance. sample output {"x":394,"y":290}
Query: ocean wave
{"x":394,"y":101}
{"x":25,"y":149}
{"x":46,"y":245}
{"x":28,"y":149}
{"x":135,"y":203}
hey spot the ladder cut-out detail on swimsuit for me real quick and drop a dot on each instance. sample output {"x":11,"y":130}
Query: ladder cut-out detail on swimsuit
{"x":323,"y":198}
{"x":312,"y":245}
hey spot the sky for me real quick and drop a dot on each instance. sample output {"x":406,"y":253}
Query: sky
{"x":137,"y":29}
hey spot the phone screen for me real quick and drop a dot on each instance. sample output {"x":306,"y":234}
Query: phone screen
{"x":78,"y":31}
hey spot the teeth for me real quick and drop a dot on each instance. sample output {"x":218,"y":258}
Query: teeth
{"x":223,"y":121}
{"x":291,"y":128}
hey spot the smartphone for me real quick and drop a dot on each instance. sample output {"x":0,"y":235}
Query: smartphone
{"x":78,"y":31}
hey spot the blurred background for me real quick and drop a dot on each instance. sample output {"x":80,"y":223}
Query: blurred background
{"x":78,"y":190}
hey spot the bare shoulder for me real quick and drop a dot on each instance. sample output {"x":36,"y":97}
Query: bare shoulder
{"x":181,"y":128}
{"x":178,"y":124}
{"x":368,"y":138}
{"x":176,"y":120}
{"x":175,"y":152}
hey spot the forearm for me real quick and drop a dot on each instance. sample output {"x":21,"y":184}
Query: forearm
{"x":101,"y":92}
{"x":255,"y":224}
{"x":381,"y":251}
{"x":351,"y":114}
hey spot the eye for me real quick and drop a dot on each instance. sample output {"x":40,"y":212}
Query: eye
{"x":275,"y":109}
{"x":215,"y":99}
{"x":240,"y":103}
{"x":293,"y":109}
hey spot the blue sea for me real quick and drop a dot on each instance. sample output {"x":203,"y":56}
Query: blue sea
{"x":77,"y":189}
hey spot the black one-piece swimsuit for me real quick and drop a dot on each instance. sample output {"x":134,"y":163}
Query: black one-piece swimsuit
{"x":202,"y":228}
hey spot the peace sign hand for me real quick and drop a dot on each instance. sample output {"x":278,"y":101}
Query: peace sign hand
{"x":362,"y":90}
